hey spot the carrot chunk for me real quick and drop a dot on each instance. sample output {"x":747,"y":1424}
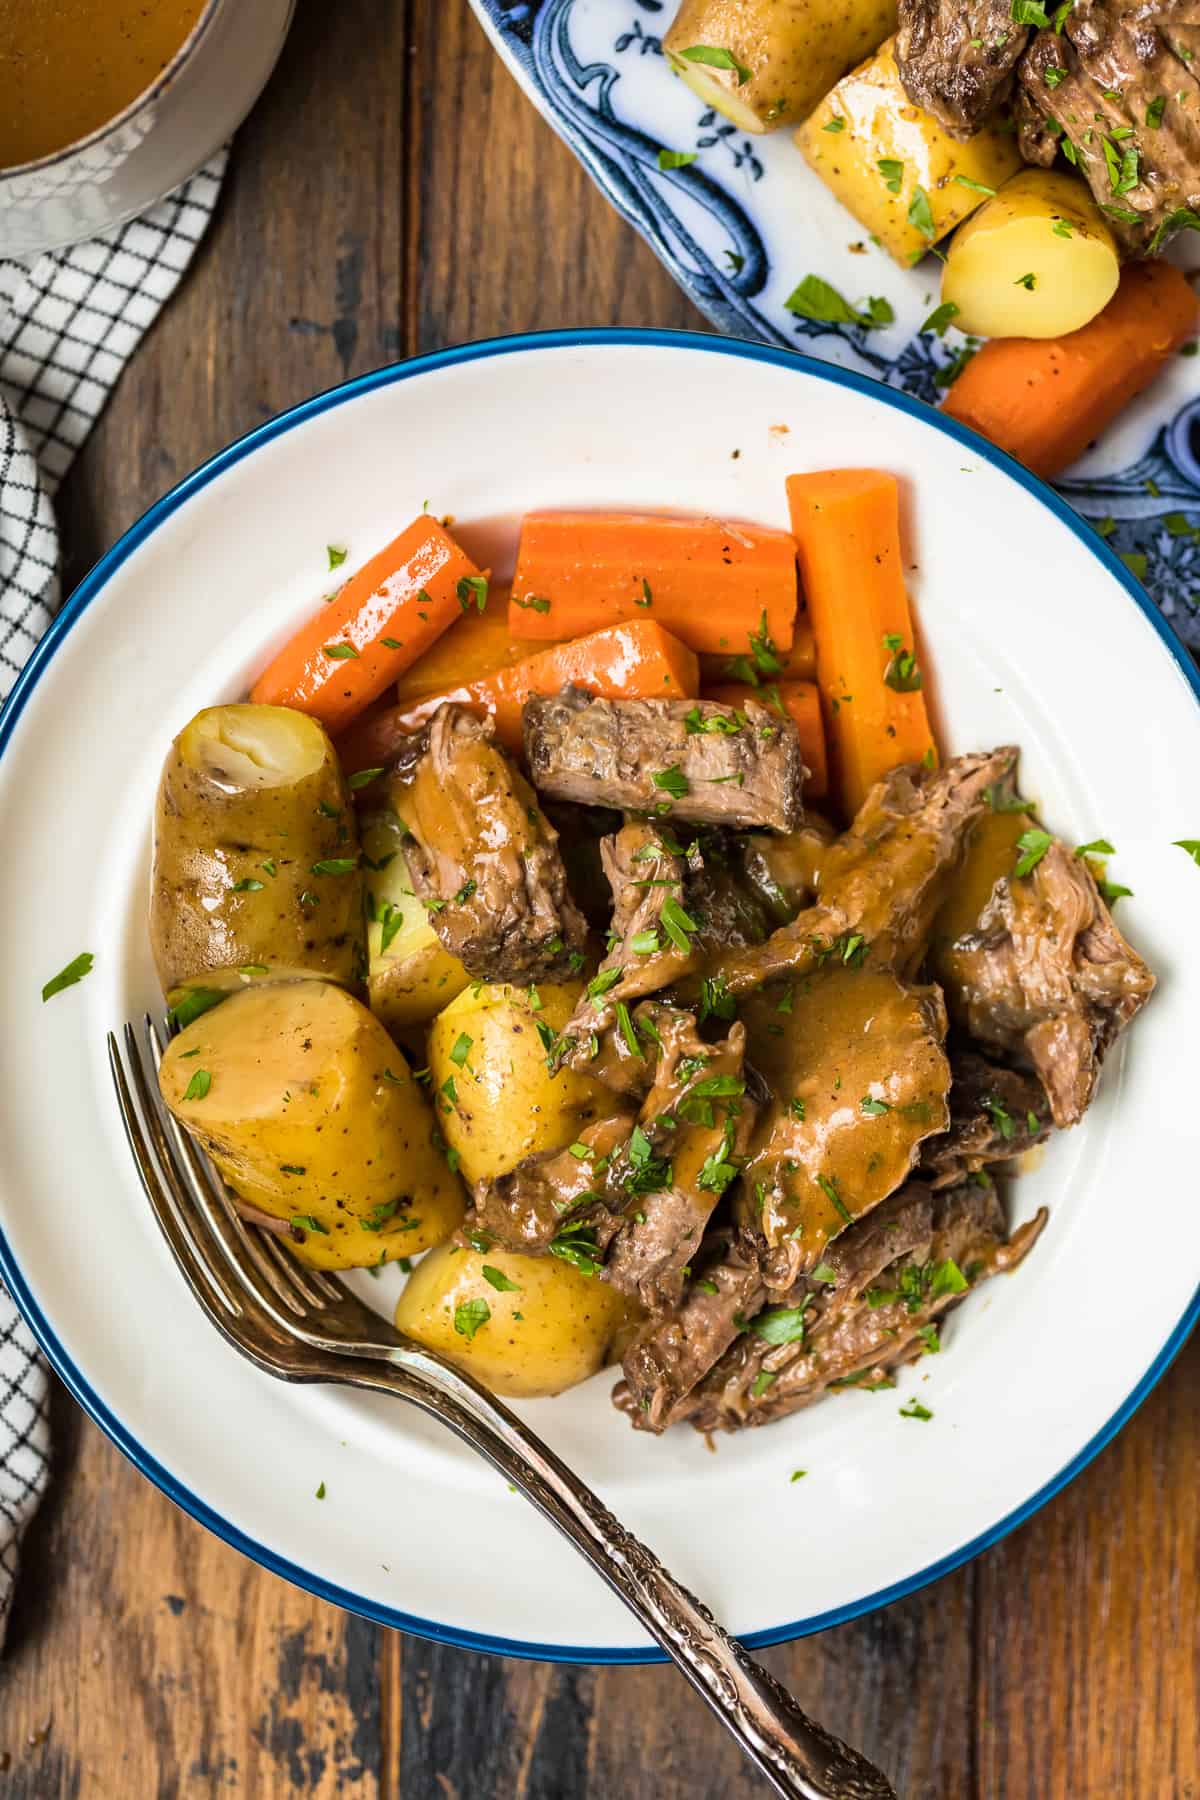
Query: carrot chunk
{"x":847,"y":528}
{"x":478,"y":643}
{"x":638,"y":661}
{"x":712,"y":582}
{"x":1044,"y":400}
{"x":383,"y":619}
{"x":799,"y":701}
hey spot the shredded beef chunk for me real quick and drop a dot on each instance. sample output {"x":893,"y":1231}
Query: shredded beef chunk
{"x":692,"y":759}
{"x":883,"y":881}
{"x":996,"y":1114}
{"x":671,"y":1355}
{"x":956,"y":58}
{"x":652,"y":945}
{"x":859,"y":1079}
{"x":1120,"y":84}
{"x":484,"y":858}
{"x":1047,"y":977}
{"x":875,"y":1310}
{"x":634,"y":1194}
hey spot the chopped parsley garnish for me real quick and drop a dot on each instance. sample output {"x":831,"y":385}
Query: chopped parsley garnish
{"x":379,"y":1215}
{"x":472,"y":588}
{"x":672,"y":781}
{"x":946,"y":1278}
{"x":1033,"y":845}
{"x":292,"y":1169}
{"x":1028,"y":281}
{"x":1191,"y":845}
{"x":928,"y":1335}
{"x":340,"y":652}
{"x":600,"y":984}
{"x":976,"y":187}
{"x":391,"y":643}
{"x":1097,"y":847}
{"x":941,"y":316}
{"x":718,"y":1087}
{"x":199,"y":1085}
{"x":391,"y":919}
{"x":762,"y":1381}
{"x":902,"y":672}
{"x":677,"y":924}
{"x":469,"y":1315}
{"x":363,"y":777}
{"x":532,"y":603}
{"x":321,"y":1489}
{"x":195,"y":1001}
{"x":716,"y":1001}
{"x":577,"y":1245}
{"x":718,"y":1171}
{"x":1155,"y":110}
{"x":675,"y":159}
{"x":816,"y":299}
{"x":628,"y":1031}
{"x":914,"y":1409}
{"x":644,"y":943}
{"x":829,"y":1188}
{"x":82,"y":965}
{"x":247,"y":885}
{"x":1002,"y":1120}
{"x":1030,"y":12}
{"x":920,"y":214}
{"x":797,"y":1106}
{"x":892,"y":170}
{"x":797,"y":1475}
{"x":874,"y":1109}
{"x":335,"y":865}
{"x":306,"y":1222}
{"x":837,"y":123}
{"x":461,"y":1050}
{"x":824,"y":1273}
{"x":336,"y":554}
{"x":499,"y":1280}
{"x":1054,"y":76}
{"x":714,"y":57}
{"x":724,"y":723}
{"x":780,"y":1324}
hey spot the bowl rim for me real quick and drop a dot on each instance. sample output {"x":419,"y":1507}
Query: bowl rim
{"x":93,"y":584}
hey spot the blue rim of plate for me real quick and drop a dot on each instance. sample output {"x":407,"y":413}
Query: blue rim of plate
{"x":94,"y":582}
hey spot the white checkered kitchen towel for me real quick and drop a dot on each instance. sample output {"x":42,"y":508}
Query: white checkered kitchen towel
{"x":69,"y":321}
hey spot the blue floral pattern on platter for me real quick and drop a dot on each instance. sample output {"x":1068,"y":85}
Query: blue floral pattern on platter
{"x":741,"y":225}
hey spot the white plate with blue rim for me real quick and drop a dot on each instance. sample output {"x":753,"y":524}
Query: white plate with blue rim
{"x":742,"y":224}
{"x":1032,"y":632}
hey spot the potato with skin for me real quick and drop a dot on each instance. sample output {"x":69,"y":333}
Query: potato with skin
{"x":410,"y":977}
{"x":1037,"y":261}
{"x":256,"y":867}
{"x":766,"y":63}
{"x":312,"y":1116}
{"x":523,"y":1325}
{"x":890,"y":164}
{"x":502,"y":1103}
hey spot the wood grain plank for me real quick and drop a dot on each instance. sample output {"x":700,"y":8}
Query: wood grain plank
{"x":1090,"y":1623}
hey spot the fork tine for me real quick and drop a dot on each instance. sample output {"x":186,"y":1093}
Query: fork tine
{"x":214,"y":1296}
{"x":280,"y":1279}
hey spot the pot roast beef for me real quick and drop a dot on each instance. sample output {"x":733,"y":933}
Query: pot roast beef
{"x":956,"y":58}
{"x":690,"y":759}
{"x":996,"y":1115}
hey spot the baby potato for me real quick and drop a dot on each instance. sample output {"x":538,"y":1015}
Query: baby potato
{"x":767,"y":62}
{"x":496,"y":1098}
{"x":311,"y":1114}
{"x":409,"y":975}
{"x":889,"y":163}
{"x":255,"y":854}
{"x":524,"y":1325}
{"x":1037,"y":261}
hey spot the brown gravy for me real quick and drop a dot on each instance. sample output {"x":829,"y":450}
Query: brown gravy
{"x":68,"y":66}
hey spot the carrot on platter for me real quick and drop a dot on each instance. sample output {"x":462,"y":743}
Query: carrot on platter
{"x":712,"y":582}
{"x":638,"y":661}
{"x":797,"y":664}
{"x":384,"y":618}
{"x":476,"y":644}
{"x":1045,"y":399}
{"x":799,"y":701}
{"x":847,"y":528}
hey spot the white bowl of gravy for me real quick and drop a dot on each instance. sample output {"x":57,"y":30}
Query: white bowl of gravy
{"x":110,"y":104}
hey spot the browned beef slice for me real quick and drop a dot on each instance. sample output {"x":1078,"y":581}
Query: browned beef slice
{"x":856,"y":1332}
{"x":1095,"y":84}
{"x":883,"y":881}
{"x":1048,"y":977}
{"x":646,"y":955}
{"x":670,"y":1355}
{"x":665,"y":757}
{"x":526,"y":1209}
{"x":996,"y":1114}
{"x":483,"y":856}
{"x":956,"y":58}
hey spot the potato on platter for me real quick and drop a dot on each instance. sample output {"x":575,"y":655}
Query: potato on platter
{"x":410,"y":976}
{"x":496,"y":1099}
{"x":255,"y":854}
{"x":524,"y":1325}
{"x":766,"y":63}
{"x":904,"y":179}
{"x":312,"y":1116}
{"x":1037,"y":261}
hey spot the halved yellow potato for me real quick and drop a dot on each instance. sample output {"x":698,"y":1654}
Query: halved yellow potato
{"x":410,"y":976}
{"x":496,"y":1098}
{"x":312,"y":1116}
{"x":905,"y":180}
{"x":1037,"y":261}
{"x":765,"y":63}
{"x":524,"y":1325}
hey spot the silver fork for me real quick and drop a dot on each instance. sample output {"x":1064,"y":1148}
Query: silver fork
{"x":301,"y":1325}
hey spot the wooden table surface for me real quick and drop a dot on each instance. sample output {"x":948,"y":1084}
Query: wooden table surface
{"x":392,"y":193}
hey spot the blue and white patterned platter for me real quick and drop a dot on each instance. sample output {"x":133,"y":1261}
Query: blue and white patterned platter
{"x":741,"y":226}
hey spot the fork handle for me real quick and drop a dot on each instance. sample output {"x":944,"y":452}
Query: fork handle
{"x":798,"y":1757}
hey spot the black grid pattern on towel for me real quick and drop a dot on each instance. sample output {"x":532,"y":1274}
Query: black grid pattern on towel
{"x":69,"y":321}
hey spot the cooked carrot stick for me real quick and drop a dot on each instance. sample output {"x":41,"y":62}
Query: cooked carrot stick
{"x":476,"y":644}
{"x":847,"y":528}
{"x":713,"y":583}
{"x":797,"y":664}
{"x":638,"y":661}
{"x":799,"y":701}
{"x":1044,"y":400}
{"x":382,"y":620}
